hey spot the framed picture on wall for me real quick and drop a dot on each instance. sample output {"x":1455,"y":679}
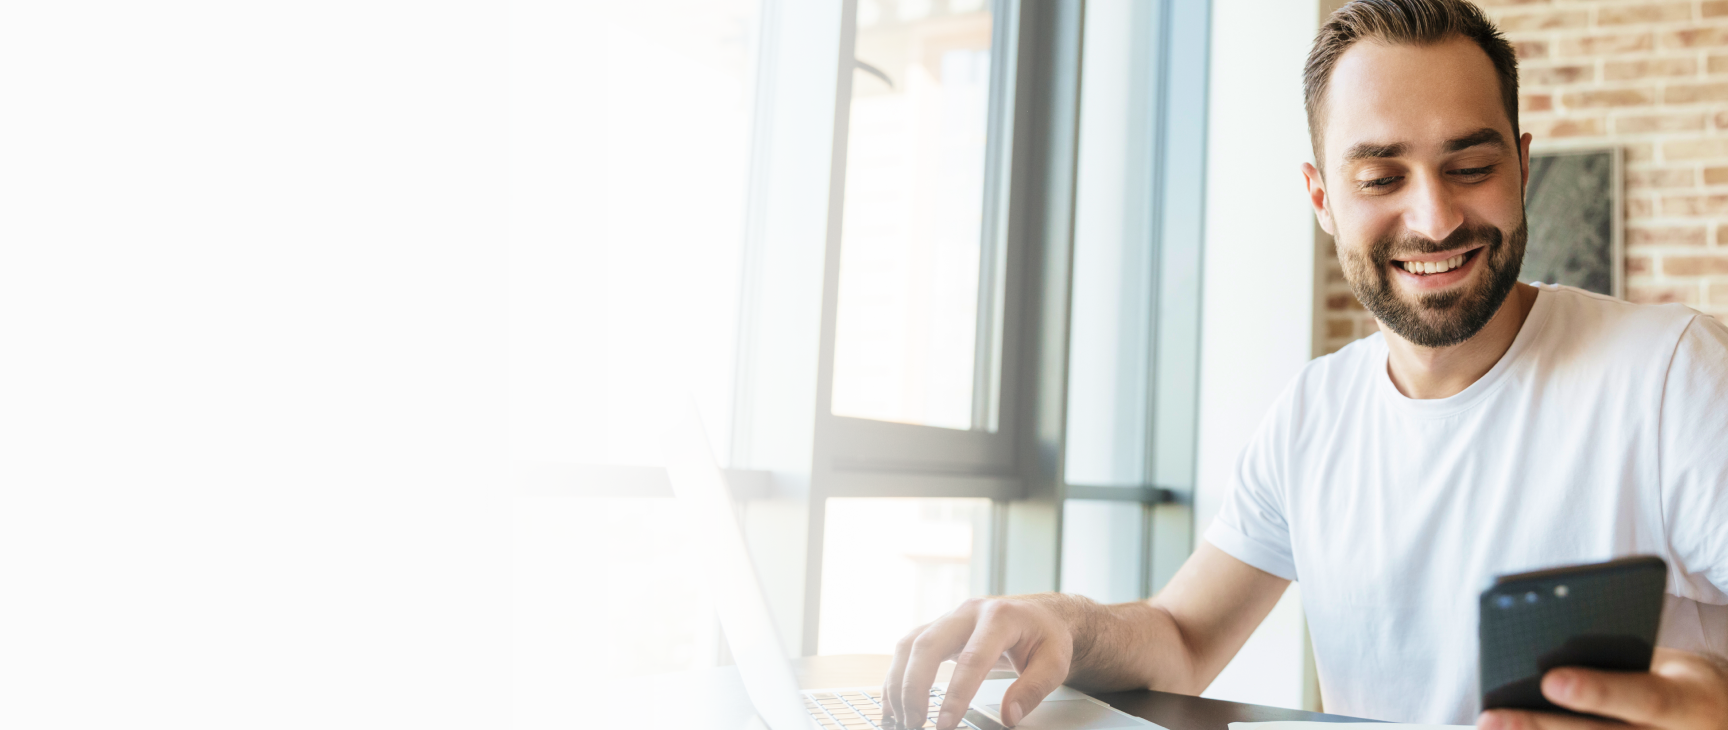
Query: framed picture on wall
{"x":1572,"y":207}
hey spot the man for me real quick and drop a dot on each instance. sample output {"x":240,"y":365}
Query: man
{"x":1491,"y":427}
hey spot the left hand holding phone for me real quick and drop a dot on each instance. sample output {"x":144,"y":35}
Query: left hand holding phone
{"x":1682,"y":691}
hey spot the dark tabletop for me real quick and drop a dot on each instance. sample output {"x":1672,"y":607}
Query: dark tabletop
{"x":717,"y":695}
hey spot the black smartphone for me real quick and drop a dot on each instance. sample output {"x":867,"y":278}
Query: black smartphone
{"x":1602,"y":616}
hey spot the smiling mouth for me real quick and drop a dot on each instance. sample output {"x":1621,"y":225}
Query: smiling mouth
{"x":1430,"y":268}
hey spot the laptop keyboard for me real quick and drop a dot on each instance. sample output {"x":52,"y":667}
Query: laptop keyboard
{"x":861,"y":709}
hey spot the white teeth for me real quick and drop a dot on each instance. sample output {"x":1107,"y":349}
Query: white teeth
{"x":1434,"y":267}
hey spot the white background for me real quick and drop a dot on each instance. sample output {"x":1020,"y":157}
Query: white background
{"x":252,"y":342}
{"x":254,"y":285}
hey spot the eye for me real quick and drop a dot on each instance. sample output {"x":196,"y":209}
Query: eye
{"x":1473,"y":172}
{"x":1379,"y":182}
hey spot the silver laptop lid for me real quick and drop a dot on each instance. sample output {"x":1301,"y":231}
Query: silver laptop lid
{"x":703,"y":495}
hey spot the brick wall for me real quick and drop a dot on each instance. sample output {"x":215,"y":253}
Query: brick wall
{"x":1650,"y":77}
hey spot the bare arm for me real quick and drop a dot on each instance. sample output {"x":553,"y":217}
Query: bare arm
{"x":1178,"y":641}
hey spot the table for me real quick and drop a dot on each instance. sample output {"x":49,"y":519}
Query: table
{"x":717,"y":696}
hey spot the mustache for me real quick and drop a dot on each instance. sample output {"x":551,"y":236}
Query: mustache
{"x":1389,"y":249}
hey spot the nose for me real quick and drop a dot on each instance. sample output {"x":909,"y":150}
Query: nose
{"x":1432,"y":211}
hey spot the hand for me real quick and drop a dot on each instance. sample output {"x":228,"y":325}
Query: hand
{"x":1035,"y":637}
{"x":1682,"y":691}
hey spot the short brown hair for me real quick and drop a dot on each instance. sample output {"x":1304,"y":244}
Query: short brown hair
{"x":1409,"y":22}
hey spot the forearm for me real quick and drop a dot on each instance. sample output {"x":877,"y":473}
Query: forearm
{"x":1179,"y":640}
{"x":1124,"y":646}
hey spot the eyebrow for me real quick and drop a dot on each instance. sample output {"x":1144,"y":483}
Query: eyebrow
{"x":1483,"y":136}
{"x":1370,"y":150}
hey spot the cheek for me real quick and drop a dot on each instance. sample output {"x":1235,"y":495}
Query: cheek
{"x":1355,"y":231}
{"x":1359,"y":222}
{"x":1500,"y":205}
{"x":1357,"y":262}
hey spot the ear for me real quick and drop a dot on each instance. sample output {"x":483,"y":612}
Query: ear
{"x":1317,"y":196}
{"x":1524,"y":160}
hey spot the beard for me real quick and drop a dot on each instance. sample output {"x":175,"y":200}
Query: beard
{"x":1439,"y":319}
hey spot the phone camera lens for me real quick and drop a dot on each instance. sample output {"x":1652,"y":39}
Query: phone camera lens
{"x":1503,"y":601}
{"x":1560,"y":591}
{"x":1531,"y":597}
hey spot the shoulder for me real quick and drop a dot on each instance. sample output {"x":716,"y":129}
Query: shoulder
{"x":1588,"y":336}
{"x":1706,"y":336}
{"x":1612,"y":331}
{"x":1698,"y":367}
{"x":1350,"y":368}
{"x":1664,"y":361}
{"x":1328,"y":384}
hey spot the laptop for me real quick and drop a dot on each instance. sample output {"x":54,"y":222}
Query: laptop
{"x":703,"y":495}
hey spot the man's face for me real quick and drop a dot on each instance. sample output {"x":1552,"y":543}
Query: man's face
{"x":1423,"y":187}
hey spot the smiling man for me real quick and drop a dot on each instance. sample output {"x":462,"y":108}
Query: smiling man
{"x":1491,"y":427}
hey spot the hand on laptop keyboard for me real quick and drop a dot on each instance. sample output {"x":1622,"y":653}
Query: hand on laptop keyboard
{"x":1030,"y":630}
{"x":862,"y":710}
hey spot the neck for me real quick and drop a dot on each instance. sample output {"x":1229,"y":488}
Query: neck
{"x":1442,"y":372}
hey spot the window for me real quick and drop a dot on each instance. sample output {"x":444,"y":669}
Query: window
{"x":928,"y":284}
{"x":895,"y":563}
{"x":918,"y":307}
{"x":918,"y":432}
{"x":1132,"y":343}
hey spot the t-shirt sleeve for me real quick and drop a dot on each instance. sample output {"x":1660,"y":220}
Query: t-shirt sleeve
{"x":1693,"y":457}
{"x":1251,"y":526}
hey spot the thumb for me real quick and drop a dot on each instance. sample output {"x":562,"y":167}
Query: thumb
{"x":1042,"y":676}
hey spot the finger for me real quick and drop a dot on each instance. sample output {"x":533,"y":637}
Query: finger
{"x":1640,"y":698}
{"x":1525,"y":720}
{"x":972,"y":666}
{"x":1044,"y":669}
{"x":942,"y":640}
{"x":897,"y":670}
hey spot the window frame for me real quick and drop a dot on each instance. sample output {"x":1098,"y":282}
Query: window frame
{"x":789,"y":453}
{"x":869,"y":458}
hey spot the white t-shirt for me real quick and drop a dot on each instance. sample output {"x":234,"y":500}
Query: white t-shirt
{"x":1602,"y":433}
